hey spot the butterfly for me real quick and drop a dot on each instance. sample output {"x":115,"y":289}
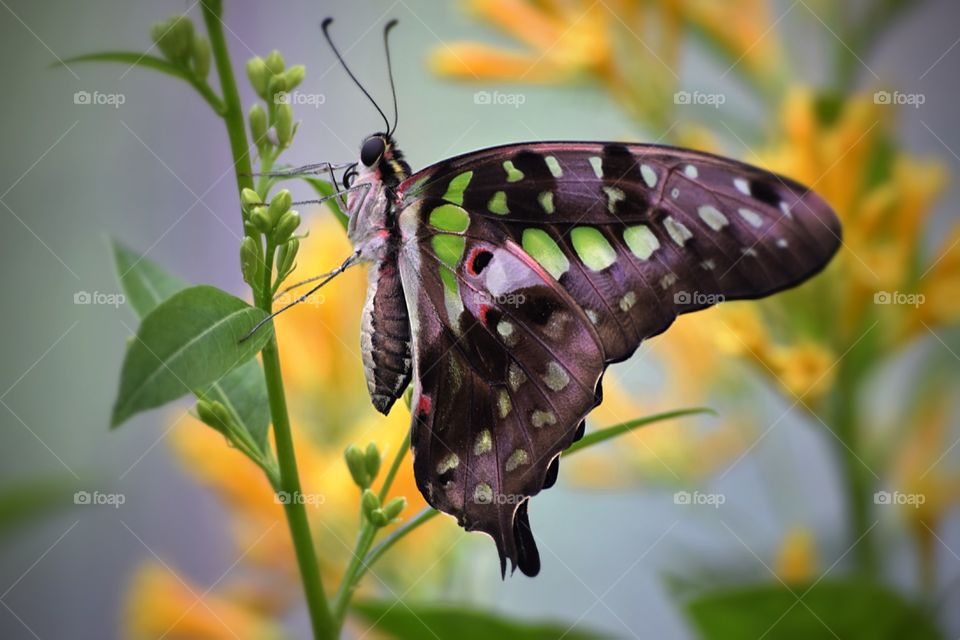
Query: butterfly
{"x":503,"y":282}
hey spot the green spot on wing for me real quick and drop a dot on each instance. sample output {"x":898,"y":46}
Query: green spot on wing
{"x":541,"y":247}
{"x":450,"y":217}
{"x":546,"y":201}
{"x":498,"y":204}
{"x":593,"y":248}
{"x":513,"y":174}
{"x":457,"y":186}
{"x":641,"y":241}
{"x":449,"y":280}
{"x":449,"y":249}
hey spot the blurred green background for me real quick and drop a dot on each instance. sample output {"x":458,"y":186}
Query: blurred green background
{"x":155,"y":172}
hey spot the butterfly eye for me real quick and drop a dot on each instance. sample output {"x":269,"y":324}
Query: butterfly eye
{"x":371,"y":151}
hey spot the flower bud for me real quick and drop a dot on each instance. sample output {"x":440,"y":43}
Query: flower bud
{"x":277,"y":90}
{"x":378,"y":518}
{"x":285,"y":227}
{"x":358,"y":470}
{"x":258,"y":216}
{"x":275,"y":62}
{"x":286,"y":257}
{"x":293,"y":76}
{"x":279,"y":205}
{"x":249,"y":199}
{"x":200,"y":53}
{"x":369,"y":502}
{"x":251,"y":261}
{"x":284,"y":124}
{"x":395,"y":507}
{"x":258,"y":125}
{"x":372,"y":460}
{"x":259,"y":76}
{"x":214,"y":415}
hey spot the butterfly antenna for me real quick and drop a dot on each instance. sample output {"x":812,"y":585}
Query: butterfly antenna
{"x":324,"y":26}
{"x":393,"y":88}
{"x":327,"y":277}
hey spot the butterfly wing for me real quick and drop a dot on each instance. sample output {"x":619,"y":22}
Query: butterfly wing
{"x":542,"y":263}
{"x":640,"y":233}
{"x":506,"y":368}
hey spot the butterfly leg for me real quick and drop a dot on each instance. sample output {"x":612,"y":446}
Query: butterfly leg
{"x":346,"y":264}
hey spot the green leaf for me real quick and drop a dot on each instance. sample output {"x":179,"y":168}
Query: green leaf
{"x":244,"y":393}
{"x":137,"y":59}
{"x":601,"y":435}
{"x":325,"y":189}
{"x":145,"y":283}
{"x":132,"y":58}
{"x":405,"y":621}
{"x":842,"y":609}
{"x":187,"y":343}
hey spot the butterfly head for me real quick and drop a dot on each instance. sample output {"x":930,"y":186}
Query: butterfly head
{"x":380,"y":160}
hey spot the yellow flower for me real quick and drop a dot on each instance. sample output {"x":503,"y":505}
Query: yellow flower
{"x":561,"y":40}
{"x":796,"y":561}
{"x":161,"y":604}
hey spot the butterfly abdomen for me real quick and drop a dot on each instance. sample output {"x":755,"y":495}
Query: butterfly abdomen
{"x":385,"y":335}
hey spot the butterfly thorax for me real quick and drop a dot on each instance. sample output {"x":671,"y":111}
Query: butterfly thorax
{"x":370,"y":203}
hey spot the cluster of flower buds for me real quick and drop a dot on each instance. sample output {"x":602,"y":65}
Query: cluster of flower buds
{"x":273,"y":81}
{"x":180,"y":45}
{"x":364,"y":465}
{"x":278,"y":222}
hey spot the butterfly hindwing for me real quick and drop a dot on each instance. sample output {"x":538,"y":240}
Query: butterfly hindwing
{"x":640,"y":233}
{"x":506,"y":367}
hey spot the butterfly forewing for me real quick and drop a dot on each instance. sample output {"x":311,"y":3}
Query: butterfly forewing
{"x":640,"y":233}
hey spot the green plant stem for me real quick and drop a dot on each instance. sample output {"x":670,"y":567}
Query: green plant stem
{"x":424,"y":516}
{"x":394,"y":467}
{"x":859,"y":488}
{"x":232,"y":110}
{"x":289,"y":480}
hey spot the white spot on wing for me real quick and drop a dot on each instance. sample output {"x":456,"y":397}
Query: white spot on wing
{"x":649,"y":175}
{"x":742,"y":186}
{"x":678,"y":232}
